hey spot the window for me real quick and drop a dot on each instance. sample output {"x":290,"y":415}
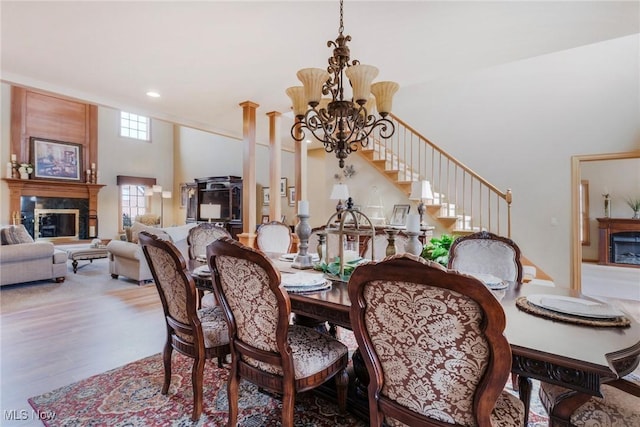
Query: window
{"x":133,"y":198}
{"x":134,"y":126}
{"x":133,"y":203}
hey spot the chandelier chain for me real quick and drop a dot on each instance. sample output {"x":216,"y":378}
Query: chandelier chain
{"x":341,"y":28}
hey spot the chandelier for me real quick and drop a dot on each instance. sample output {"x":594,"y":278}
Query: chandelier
{"x":341,"y":124}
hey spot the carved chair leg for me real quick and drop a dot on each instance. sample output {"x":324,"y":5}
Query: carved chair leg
{"x":288,"y":405}
{"x":342,"y":385}
{"x":232,"y":396}
{"x":197,"y":372}
{"x":166,"y":359}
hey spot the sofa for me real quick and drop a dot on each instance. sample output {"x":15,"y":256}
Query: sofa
{"x":24,"y":260}
{"x":127,"y":259}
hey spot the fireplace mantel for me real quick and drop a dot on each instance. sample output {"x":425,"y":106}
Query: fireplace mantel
{"x":609,"y":226}
{"x":46,"y":188}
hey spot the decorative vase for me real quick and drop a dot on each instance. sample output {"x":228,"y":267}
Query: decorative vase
{"x":636,"y":215}
{"x":606,"y":207}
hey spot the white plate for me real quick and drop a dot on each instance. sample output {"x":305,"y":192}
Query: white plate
{"x":321,"y":287}
{"x":491,"y":281}
{"x":203,"y":270}
{"x":291,"y":257}
{"x":302,"y":280}
{"x":575,"y":306}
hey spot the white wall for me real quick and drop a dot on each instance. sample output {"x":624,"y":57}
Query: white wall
{"x":126,"y":156}
{"x":518,"y":125}
{"x":200,"y":154}
{"x":621,"y":179}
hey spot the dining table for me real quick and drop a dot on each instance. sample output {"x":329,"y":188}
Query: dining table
{"x":577,"y":356}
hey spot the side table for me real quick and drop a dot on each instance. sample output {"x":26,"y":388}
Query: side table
{"x":88,"y":253}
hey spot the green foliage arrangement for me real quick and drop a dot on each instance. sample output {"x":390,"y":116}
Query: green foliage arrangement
{"x":438,"y":249}
{"x":634,"y":204}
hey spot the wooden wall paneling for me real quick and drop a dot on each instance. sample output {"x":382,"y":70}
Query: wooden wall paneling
{"x":19,"y":141}
{"x":56,"y":118}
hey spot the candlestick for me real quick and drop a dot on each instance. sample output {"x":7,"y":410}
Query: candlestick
{"x":413,"y":223}
{"x":13,"y":158}
{"x":93,"y":166}
{"x":413,"y":245}
{"x":303,"y":207}
{"x":303,"y":259}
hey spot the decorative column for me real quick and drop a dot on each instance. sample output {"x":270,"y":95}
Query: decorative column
{"x":249,"y":204}
{"x":275,"y":166}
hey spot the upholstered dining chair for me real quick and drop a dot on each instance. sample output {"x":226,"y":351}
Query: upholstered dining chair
{"x":265,"y":348}
{"x":198,"y":239}
{"x":486,"y":253}
{"x":432,"y":341}
{"x":274,"y":236}
{"x":199,"y":334}
{"x":201,"y":235}
{"x":380,"y":242}
{"x":619,"y":405}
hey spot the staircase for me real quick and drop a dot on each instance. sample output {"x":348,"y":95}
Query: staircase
{"x":464,"y":201}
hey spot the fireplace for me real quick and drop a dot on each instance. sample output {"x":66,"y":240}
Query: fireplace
{"x":619,"y":242}
{"x":51,"y":218}
{"x":56,"y":224}
{"x":625,"y":248}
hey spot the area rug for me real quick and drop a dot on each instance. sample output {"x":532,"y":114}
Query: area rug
{"x":130,"y":396}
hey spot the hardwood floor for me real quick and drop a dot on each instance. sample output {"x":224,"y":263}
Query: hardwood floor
{"x":54,"y":343}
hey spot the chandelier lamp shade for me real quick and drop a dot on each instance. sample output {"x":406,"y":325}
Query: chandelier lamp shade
{"x":321,"y":106}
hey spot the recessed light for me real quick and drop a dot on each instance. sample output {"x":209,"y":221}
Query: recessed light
{"x":153,"y":94}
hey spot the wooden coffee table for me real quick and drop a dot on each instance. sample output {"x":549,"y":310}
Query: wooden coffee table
{"x":86,"y":253}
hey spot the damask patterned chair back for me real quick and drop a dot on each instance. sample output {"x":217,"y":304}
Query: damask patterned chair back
{"x":200,"y":334}
{"x":274,"y":237}
{"x":201,"y":235}
{"x":486,"y":253}
{"x":265,"y":349}
{"x":433,"y":344}
{"x":381,"y":243}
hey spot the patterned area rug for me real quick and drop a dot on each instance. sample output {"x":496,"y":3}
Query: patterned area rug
{"x":130,"y":396}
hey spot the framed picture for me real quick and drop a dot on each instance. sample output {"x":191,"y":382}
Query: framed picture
{"x":56,"y":159}
{"x":292,"y":196}
{"x":265,"y":196}
{"x":265,"y":219}
{"x":399,"y":215}
{"x":283,"y":187}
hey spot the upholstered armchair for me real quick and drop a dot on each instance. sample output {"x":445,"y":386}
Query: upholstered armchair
{"x":200,"y":236}
{"x":265,"y":349}
{"x":486,"y":253}
{"x":432,"y":341}
{"x":274,"y":237}
{"x":619,"y":405}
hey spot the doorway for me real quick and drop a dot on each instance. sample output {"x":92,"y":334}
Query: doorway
{"x":576,"y":231}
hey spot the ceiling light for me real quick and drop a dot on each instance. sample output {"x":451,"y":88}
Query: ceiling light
{"x":338,"y":123}
{"x":153,"y":94}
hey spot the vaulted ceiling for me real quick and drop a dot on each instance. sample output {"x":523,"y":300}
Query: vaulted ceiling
{"x":206,"y":57}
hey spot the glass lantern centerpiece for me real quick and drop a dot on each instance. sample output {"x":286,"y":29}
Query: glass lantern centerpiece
{"x":349,"y":224}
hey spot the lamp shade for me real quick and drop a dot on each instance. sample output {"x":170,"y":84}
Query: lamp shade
{"x":313,"y":79}
{"x":210,"y":211}
{"x":339,"y":192}
{"x":296,"y":93}
{"x":157,"y":188}
{"x":361,"y":76}
{"x":166,"y":194}
{"x":420,"y":190}
{"x":384,"y":91}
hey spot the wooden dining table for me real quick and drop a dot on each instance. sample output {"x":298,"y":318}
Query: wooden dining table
{"x":574,"y":356}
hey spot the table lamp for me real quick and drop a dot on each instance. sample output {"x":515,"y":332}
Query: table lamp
{"x":421,"y":190}
{"x":208,"y":211}
{"x":339,"y":192}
